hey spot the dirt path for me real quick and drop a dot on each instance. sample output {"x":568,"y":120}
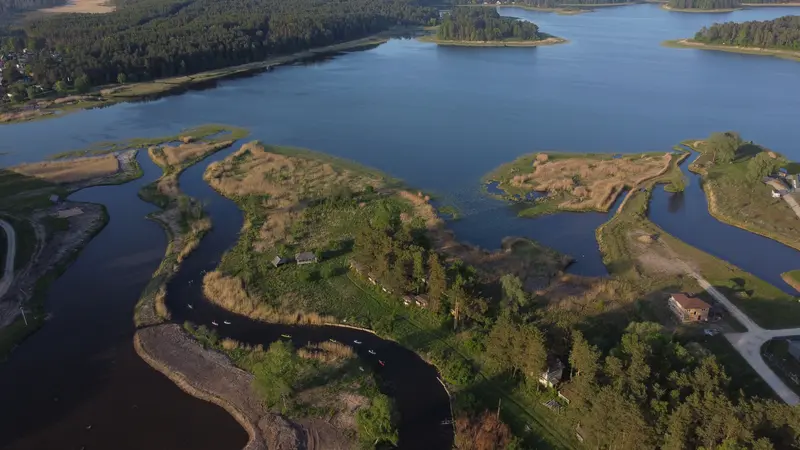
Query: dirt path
{"x":748,"y":344}
{"x":8,"y":272}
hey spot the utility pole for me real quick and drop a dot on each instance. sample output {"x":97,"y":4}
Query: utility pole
{"x":499,"y":401}
{"x":23,"y":316}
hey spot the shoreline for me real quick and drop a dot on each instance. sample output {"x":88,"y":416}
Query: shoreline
{"x":665,"y":7}
{"x":689,"y":43}
{"x":552,"y":40}
{"x":112,"y":94}
{"x":566,"y":9}
{"x":792,"y":279}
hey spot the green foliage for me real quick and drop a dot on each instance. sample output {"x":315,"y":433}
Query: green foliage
{"x":164,"y":38}
{"x":276,"y":373}
{"x":376,"y":424}
{"x":723,"y":146}
{"x":122,"y":78}
{"x":61,"y":87}
{"x":781,"y":33}
{"x":485,"y":24}
{"x":704,"y":4}
{"x":553,"y":3}
{"x":762,"y":165}
{"x":83,"y":84}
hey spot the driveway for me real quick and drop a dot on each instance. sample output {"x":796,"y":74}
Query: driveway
{"x":749,"y":344}
{"x":8,"y":272}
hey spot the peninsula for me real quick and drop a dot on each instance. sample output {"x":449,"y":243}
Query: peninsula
{"x":484,"y":27}
{"x":777,"y":38}
{"x":741,"y":180}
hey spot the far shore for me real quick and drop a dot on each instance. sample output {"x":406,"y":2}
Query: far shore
{"x":697,"y":10}
{"x":102,"y":96}
{"x":689,"y":43}
{"x":548,"y":41}
{"x":566,"y":9}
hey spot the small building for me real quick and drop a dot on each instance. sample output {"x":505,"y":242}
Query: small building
{"x":689,"y":309}
{"x":783,"y":172}
{"x":279,"y":261}
{"x":776,"y":194}
{"x":407,"y":300}
{"x":305,"y":258}
{"x":552,"y":376}
{"x":421,"y":301}
{"x":55,"y":199}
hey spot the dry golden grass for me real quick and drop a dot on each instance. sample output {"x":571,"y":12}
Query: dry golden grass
{"x":253,"y":169}
{"x":327,"y":352}
{"x":176,"y":155}
{"x":590,"y":182}
{"x":161,"y":306}
{"x":71,"y":170}
{"x":229,"y":292}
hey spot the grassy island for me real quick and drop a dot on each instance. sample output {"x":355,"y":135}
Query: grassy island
{"x":578,"y":182}
{"x":733,"y":174}
{"x":792,"y":278}
{"x":484,"y":27}
{"x":777,"y":37}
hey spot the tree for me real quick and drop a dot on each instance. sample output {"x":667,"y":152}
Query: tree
{"x":583,"y":358}
{"x":276,"y":374}
{"x":61,"y":87}
{"x":122,"y":78}
{"x":482,"y":432}
{"x":512,"y":291}
{"x":82,"y":84}
{"x":531,"y":354}
{"x":761,"y":165}
{"x":31,"y":92}
{"x":500,"y":344}
{"x":376,"y":423}
{"x":723,"y":146}
{"x":437,"y":281}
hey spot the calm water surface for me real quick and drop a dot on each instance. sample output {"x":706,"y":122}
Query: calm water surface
{"x":438,"y":118}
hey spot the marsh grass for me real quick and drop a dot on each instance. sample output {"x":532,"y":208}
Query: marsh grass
{"x":70,"y":171}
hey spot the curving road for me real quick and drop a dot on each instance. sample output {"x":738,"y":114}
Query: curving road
{"x":749,"y":343}
{"x":8,"y":272}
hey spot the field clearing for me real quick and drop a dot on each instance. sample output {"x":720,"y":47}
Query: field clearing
{"x":81,"y":6}
{"x":70,"y":171}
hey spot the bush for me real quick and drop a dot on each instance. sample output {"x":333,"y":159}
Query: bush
{"x":328,"y":272}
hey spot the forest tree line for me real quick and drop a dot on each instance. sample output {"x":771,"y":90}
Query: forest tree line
{"x":547,"y":3}
{"x":485,"y":24}
{"x":148,"y":39}
{"x":704,"y":4}
{"x":781,"y":33}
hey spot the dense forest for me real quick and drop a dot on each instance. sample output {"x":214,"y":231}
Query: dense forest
{"x":704,"y":4}
{"x":485,"y":24}
{"x":146,"y":39}
{"x":781,"y":33}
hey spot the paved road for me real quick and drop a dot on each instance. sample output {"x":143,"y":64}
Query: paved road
{"x":789,"y":199}
{"x":8,"y":272}
{"x":749,"y":344}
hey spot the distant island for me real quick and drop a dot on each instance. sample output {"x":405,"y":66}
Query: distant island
{"x":702,"y":5}
{"x":566,"y":7}
{"x":485,"y":27}
{"x":706,"y":6}
{"x":779,"y":37}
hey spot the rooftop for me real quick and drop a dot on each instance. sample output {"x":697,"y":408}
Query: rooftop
{"x":687,"y":302}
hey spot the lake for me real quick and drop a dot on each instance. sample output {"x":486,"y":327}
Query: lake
{"x":437,"y":117}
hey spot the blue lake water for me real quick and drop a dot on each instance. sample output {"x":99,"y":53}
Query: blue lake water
{"x":437,"y":117}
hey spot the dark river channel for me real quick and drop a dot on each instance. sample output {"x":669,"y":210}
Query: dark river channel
{"x":438,"y":118}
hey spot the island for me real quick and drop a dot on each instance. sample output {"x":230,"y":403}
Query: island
{"x":779,"y":38}
{"x":484,"y":27}
{"x":551,"y":182}
{"x":702,"y":6}
{"x":562,"y":7}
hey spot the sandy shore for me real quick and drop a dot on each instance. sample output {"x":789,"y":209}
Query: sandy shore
{"x":689,"y":43}
{"x":548,"y":41}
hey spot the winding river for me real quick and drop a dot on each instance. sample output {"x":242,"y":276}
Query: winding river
{"x":439,"y":118}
